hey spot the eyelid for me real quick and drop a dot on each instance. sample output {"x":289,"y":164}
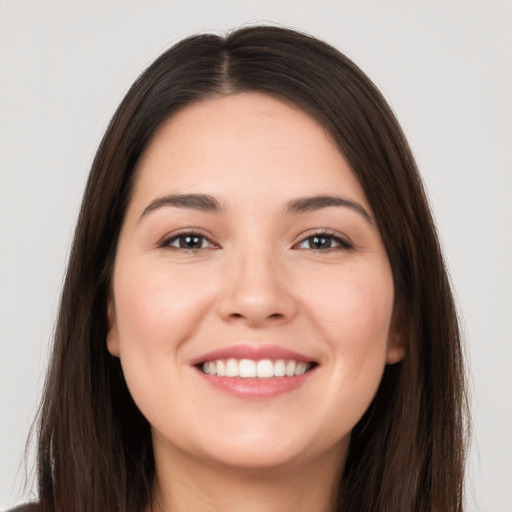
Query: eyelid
{"x":343,"y":241}
{"x":169,"y":237}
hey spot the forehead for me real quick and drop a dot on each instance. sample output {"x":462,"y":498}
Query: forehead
{"x":245,"y":145}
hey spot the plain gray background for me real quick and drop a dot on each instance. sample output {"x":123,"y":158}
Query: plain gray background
{"x":445,"y":68}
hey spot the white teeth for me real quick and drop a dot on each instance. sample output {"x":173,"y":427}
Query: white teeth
{"x":279,"y":368}
{"x":262,"y":369}
{"x":265,"y":369}
{"x":301,"y":368}
{"x":247,"y":368}
{"x":221,"y":369}
{"x":290,"y":368}
{"x":232,"y":368}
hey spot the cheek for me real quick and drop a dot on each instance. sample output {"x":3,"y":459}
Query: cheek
{"x":157,"y":310}
{"x":157,"y":307}
{"x":354,"y":316}
{"x":355,"y":309}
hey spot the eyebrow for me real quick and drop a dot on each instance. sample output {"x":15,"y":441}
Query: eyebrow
{"x":203,"y":202}
{"x":207,"y":203}
{"x":307,"y":204}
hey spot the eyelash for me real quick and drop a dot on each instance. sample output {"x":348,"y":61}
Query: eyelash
{"x":341,"y":243}
{"x":166,"y":243}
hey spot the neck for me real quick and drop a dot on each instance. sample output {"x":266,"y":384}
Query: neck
{"x":183,"y":484}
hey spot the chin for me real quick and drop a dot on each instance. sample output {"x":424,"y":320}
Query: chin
{"x":257,"y":459}
{"x":253,"y":452}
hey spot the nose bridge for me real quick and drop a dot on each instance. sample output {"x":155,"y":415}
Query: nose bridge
{"x":256,"y":288}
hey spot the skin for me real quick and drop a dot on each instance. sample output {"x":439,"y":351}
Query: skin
{"x":256,"y":278}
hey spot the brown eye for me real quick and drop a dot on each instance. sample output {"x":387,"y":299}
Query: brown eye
{"x":320,"y":241}
{"x":192,"y":241}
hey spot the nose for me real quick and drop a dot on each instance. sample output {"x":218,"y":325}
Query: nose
{"x":257,"y":292}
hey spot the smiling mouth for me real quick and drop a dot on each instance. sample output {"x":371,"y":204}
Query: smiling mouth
{"x":255,"y":369}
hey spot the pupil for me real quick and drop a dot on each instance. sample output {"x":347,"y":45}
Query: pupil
{"x":190,"y":242}
{"x":321,"y":242}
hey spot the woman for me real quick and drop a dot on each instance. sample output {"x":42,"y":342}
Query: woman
{"x":256,"y":313}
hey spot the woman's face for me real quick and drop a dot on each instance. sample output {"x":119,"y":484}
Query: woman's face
{"x":252,"y":303}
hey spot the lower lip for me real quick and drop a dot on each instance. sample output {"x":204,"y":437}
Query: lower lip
{"x":256,"y":388}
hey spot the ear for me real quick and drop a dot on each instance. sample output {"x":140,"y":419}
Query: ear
{"x":112,"y":334}
{"x":396,"y":340}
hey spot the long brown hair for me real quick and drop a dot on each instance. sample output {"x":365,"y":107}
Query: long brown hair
{"x":407,"y":452}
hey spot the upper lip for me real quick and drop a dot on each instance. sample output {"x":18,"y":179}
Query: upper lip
{"x":254,"y":352}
